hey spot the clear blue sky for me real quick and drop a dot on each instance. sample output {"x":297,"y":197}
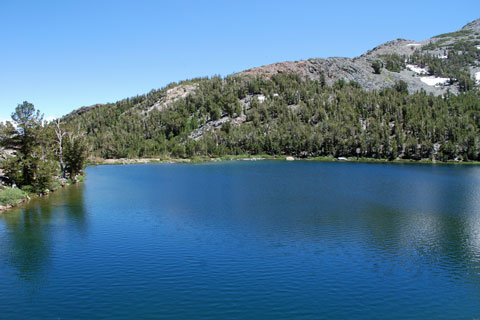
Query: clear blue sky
{"x":61,"y":55}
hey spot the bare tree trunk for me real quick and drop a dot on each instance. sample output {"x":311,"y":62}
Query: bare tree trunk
{"x":60,"y":135}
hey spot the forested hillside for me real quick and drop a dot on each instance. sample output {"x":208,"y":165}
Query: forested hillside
{"x":403,"y":99}
{"x":286,"y":114}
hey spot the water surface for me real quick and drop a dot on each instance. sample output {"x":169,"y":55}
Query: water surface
{"x":248,"y":240}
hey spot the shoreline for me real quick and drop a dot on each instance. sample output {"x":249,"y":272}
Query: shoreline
{"x":195,"y":160}
{"x":30,"y":196}
{"x":262,"y":157}
{"x":7,"y":207}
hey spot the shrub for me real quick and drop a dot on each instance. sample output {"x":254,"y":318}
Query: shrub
{"x":28,"y":189}
{"x":377,"y":67}
{"x":401,"y":86}
{"x":394,"y":62}
{"x":11,"y":196}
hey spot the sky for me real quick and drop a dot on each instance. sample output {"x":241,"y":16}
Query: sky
{"x":62,"y":55}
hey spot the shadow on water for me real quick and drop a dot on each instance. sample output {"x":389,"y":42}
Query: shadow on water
{"x":31,"y":229}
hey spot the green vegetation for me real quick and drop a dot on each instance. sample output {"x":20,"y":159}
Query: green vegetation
{"x":401,"y":86}
{"x":459,"y":33}
{"x":297,"y":117}
{"x":393,"y":62}
{"x":377,"y":66}
{"x":43,"y":152}
{"x":75,"y":156}
{"x":435,"y":45}
{"x":11,"y":196}
{"x":461,"y":54}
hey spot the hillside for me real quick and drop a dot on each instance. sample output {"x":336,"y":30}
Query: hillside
{"x":402,"y":99}
{"x":401,"y":61}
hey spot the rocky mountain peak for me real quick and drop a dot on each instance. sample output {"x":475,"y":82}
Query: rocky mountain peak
{"x":398,"y":46}
{"x":474,"y":25}
{"x":397,"y":62}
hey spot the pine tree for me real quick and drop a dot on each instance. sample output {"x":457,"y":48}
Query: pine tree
{"x":26,"y":139}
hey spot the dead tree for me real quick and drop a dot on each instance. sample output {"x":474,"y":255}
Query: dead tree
{"x":60,"y":133}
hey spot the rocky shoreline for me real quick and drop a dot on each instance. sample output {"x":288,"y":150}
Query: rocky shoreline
{"x":3,"y":208}
{"x":124,"y":161}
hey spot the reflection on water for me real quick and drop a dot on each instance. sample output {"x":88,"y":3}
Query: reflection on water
{"x":27,"y":236}
{"x":268,"y":240}
{"x":29,"y":245}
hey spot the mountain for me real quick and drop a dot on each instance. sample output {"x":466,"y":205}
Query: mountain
{"x":402,"y":61}
{"x":402,"y":99}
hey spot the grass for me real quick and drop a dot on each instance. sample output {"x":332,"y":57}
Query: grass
{"x":11,"y":196}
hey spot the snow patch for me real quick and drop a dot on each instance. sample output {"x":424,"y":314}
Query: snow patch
{"x":417,"y":69}
{"x":413,"y":44}
{"x":477,"y":77}
{"x":441,"y":56}
{"x":434,"y":81}
{"x":261,"y":98}
{"x":478,"y":47}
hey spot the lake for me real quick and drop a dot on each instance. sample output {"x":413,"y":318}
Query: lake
{"x":248,"y":240}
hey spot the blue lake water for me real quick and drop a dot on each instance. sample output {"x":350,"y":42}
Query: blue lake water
{"x":248,"y":240}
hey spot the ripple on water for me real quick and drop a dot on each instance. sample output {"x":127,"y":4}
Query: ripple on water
{"x":269,"y":240}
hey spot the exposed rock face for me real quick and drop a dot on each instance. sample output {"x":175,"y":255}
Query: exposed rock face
{"x":399,"y":46}
{"x":360,"y":69}
{"x":357,"y":69}
{"x":87,"y":109}
{"x":174,"y":94}
{"x":216,"y":124}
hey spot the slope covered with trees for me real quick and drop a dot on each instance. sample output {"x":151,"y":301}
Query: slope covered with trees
{"x":287,"y":114}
